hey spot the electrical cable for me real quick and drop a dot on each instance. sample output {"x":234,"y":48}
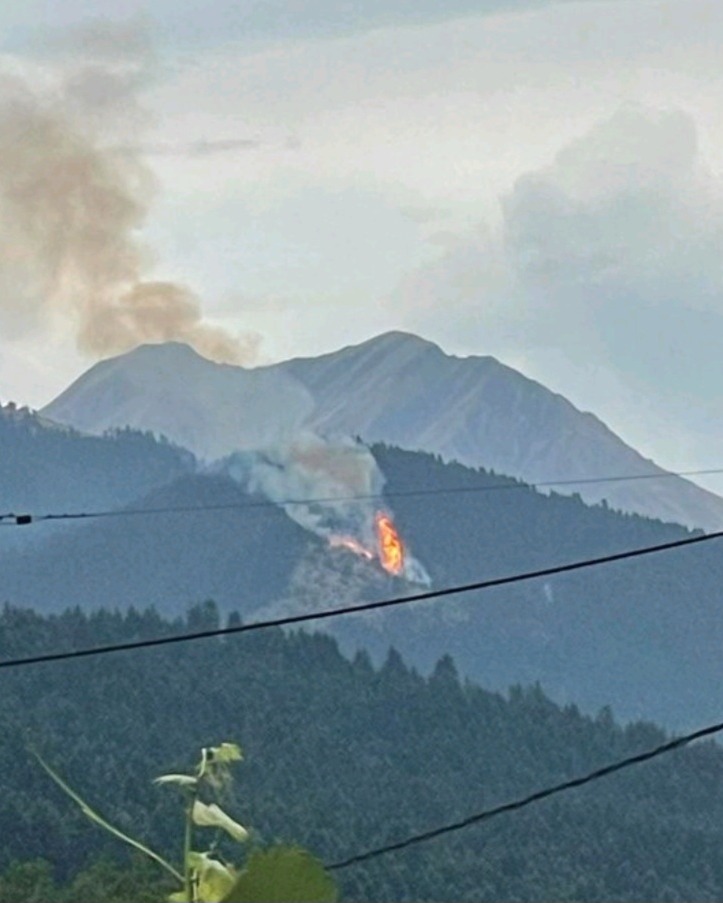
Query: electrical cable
{"x":476,"y":818}
{"x":24,"y":519}
{"x":324,"y":614}
{"x":518,"y":804}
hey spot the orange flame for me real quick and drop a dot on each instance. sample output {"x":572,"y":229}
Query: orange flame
{"x":391,"y":547}
{"x":347,"y":542}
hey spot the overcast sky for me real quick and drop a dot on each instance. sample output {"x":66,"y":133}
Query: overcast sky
{"x":537,"y":181}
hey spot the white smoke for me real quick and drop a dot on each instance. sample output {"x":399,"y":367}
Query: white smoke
{"x":342,"y":478}
{"x":333,"y":489}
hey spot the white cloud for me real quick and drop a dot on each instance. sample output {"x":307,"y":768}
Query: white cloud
{"x":629,"y":207}
{"x":610,"y":261}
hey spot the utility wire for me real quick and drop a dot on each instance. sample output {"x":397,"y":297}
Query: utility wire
{"x":484,"y":815}
{"x":521,"y":803}
{"x":325,"y":614}
{"x":18,"y":519}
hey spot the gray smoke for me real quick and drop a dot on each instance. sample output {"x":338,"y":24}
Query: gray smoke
{"x":343,"y":476}
{"x":74,"y":197}
{"x":343,"y":479}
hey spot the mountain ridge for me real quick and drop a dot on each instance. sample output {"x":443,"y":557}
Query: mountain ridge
{"x":642,"y":635}
{"x":170,"y":389}
{"x":396,"y":388}
{"x":45,"y":466}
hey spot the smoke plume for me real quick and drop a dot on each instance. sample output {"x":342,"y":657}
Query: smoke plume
{"x":343,"y":476}
{"x":334,"y":489}
{"x":74,"y":196}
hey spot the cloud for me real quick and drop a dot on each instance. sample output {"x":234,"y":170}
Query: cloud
{"x":327,"y":17}
{"x":206,"y":25}
{"x":611,"y":257}
{"x":202,"y":148}
{"x":622,"y":240}
{"x":628,"y":208}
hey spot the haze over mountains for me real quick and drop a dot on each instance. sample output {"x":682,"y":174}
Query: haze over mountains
{"x":643,"y":636}
{"x":169,"y":389}
{"x":396,"y":388}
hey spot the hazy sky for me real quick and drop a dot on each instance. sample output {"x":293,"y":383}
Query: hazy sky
{"x":537,"y":181}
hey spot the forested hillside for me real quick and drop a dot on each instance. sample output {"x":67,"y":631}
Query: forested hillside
{"x":642,"y":635}
{"x":226,"y":551}
{"x":48,"y":468}
{"x":340,"y":757}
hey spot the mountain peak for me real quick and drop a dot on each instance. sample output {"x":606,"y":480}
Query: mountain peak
{"x":166,"y":353}
{"x":172,"y":347}
{"x":397,"y":338}
{"x":397,"y":342}
{"x":385,"y":345}
{"x":395,"y":388}
{"x":171,"y":390}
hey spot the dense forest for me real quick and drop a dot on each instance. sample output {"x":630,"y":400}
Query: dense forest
{"x":340,"y":756}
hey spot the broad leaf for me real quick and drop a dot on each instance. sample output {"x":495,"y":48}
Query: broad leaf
{"x":226,"y":752}
{"x":283,"y":875}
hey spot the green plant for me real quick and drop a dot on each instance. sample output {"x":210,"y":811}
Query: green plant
{"x":274,"y":875}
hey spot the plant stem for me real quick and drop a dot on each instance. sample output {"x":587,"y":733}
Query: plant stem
{"x":190,"y":890}
{"x":94,"y":817}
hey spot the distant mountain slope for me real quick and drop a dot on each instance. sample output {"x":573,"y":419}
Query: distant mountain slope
{"x":395,"y":388}
{"x":44,"y":468}
{"x":212,"y":409}
{"x":644,"y":635}
{"x":407,"y":392}
{"x":240,"y":558}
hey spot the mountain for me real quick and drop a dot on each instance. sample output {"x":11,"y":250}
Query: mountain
{"x":211,"y":409}
{"x":239,"y":556}
{"x":643,"y":635}
{"x":407,"y":392}
{"x":47,"y":468}
{"x":396,"y":388}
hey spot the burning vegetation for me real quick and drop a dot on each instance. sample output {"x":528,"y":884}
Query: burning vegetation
{"x":391,"y":547}
{"x":332,"y":488}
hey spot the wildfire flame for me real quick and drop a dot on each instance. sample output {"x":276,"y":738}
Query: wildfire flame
{"x":391,"y":547}
{"x":347,"y":542}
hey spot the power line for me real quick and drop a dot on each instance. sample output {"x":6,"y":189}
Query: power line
{"x":514,"y":806}
{"x":16,"y":519}
{"x":324,"y":614}
{"x":478,"y":817}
